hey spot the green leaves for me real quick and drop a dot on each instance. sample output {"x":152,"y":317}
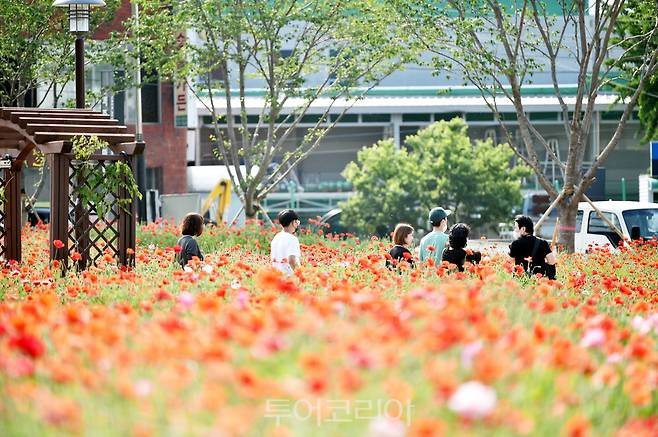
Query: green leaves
{"x":100,"y":187}
{"x":439,"y":166}
{"x":36,"y":47}
{"x":638,"y":20}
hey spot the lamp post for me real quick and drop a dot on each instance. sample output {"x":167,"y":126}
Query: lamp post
{"x":79,"y":13}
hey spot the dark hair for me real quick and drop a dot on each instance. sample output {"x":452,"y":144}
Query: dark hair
{"x":286,"y":217}
{"x":402,"y":230}
{"x":458,"y":235}
{"x":192,"y":224}
{"x":523,"y":221}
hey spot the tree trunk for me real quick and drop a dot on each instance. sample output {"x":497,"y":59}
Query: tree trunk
{"x":567,"y":210}
{"x":250,"y":206}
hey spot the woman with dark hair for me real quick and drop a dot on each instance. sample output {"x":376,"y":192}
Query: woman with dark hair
{"x":192,"y":226}
{"x":403,"y":236}
{"x":457,"y":254}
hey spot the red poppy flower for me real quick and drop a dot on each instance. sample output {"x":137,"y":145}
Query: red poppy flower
{"x":58,"y":244}
{"x":431,"y":248}
{"x":29,"y":345}
{"x":177,"y":248}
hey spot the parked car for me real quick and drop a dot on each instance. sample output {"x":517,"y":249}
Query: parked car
{"x":635,"y":220}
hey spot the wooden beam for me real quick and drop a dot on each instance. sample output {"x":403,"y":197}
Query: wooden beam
{"x":46,"y":137}
{"x":55,"y":147}
{"x":129,"y":148}
{"x":75,"y":128}
{"x":10,"y":144}
{"x":17,"y":116}
{"x":24,"y":121}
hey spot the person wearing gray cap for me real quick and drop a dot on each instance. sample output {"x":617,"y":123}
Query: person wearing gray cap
{"x":432,"y":244}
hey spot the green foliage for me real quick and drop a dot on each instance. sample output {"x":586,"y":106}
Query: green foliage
{"x":439,"y":166}
{"x":386,"y":186}
{"x":36,"y":48}
{"x":638,"y":19}
{"x":101,"y":186}
{"x":286,"y":48}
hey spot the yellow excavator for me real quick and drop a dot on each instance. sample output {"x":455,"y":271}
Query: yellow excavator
{"x":222,"y":191}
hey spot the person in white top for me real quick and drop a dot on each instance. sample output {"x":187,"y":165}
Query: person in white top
{"x":285,"y":252}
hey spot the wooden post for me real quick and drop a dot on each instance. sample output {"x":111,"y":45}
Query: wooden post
{"x":127,"y":223}
{"x":12,"y":215}
{"x":59,"y":199}
{"x":82,"y":223}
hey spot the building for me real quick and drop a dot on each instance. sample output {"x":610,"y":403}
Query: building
{"x":178,"y":128}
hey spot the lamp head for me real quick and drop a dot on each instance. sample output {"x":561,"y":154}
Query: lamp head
{"x":79,"y":11}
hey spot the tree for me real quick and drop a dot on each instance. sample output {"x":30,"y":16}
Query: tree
{"x":36,"y":49}
{"x":498,"y":46}
{"x":439,"y":166}
{"x":639,"y":19}
{"x":308,"y":57}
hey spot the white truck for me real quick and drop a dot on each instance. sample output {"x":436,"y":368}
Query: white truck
{"x":633,"y":219}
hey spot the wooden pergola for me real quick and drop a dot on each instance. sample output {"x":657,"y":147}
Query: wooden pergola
{"x":78,"y":226}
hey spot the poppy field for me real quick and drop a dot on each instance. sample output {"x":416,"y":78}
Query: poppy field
{"x":345,"y":347}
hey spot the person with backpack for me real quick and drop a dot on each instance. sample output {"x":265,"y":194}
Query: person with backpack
{"x":531,"y":252}
{"x":192,"y":226}
{"x":432,"y":244}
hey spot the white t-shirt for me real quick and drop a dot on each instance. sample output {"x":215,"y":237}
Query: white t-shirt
{"x":283,"y":245}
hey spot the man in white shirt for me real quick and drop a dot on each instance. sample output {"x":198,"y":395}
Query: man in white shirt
{"x":285,"y":252}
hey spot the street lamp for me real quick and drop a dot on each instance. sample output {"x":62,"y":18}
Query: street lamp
{"x":79,"y":12}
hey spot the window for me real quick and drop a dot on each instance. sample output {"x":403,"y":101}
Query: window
{"x":542,"y":116}
{"x":416,"y":117}
{"x":154,"y":178}
{"x":598,"y":226}
{"x":645,"y":219}
{"x":579,"y":220}
{"x":119,"y":99}
{"x":480,"y":116}
{"x":150,"y":97}
{"x":347,"y":118}
{"x":107,"y":101}
{"x":447,"y":116}
{"x":376,"y":118}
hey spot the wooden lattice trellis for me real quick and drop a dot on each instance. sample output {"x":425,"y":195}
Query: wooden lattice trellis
{"x":94,"y":233}
{"x":78,"y":226}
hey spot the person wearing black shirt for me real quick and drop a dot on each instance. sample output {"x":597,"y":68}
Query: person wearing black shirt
{"x":192,"y":226}
{"x":403,"y":236}
{"x":531,"y":252}
{"x":456,"y":252}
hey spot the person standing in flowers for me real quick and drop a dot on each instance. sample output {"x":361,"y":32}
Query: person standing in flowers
{"x":192,"y":226}
{"x":403,"y":237}
{"x":532,"y":253}
{"x":285,"y":251}
{"x":456,"y":253}
{"x":432,"y":244}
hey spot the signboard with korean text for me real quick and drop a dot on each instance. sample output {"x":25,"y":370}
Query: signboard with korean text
{"x":180,"y":93}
